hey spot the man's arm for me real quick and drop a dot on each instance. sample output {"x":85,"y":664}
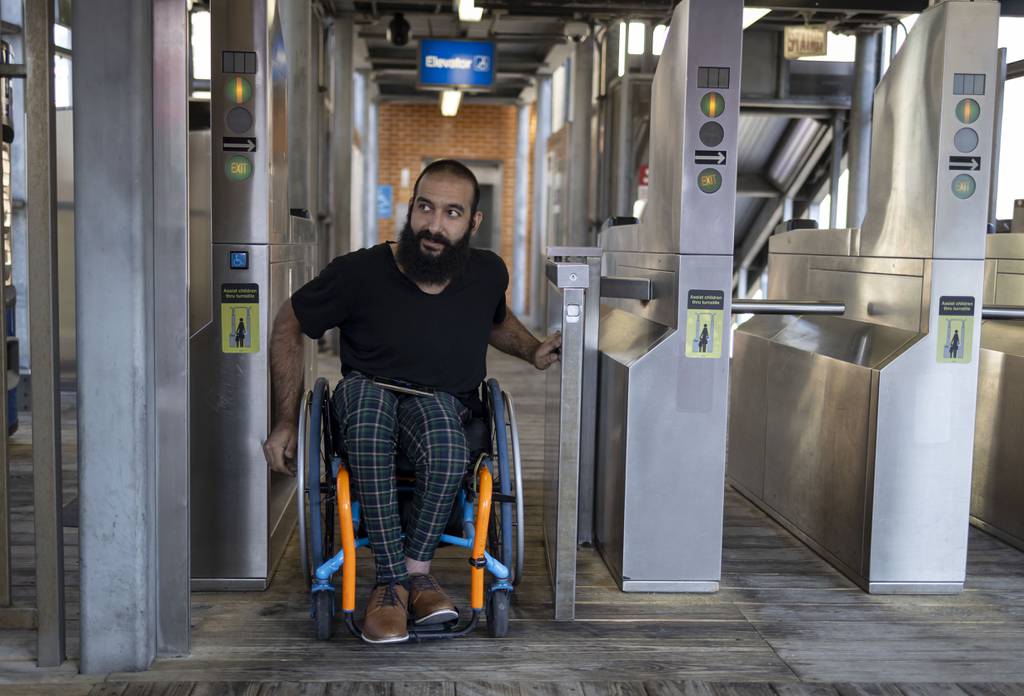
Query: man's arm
{"x":286,"y":386}
{"x":510,"y":336}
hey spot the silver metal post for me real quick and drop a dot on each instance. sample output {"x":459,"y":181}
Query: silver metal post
{"x":538,"y":237}
{"x":519,"y":250}
{"x":865,"y":75}
{"x":837,"y":169}
{"x":40,"y":121}
{"x":623,"y":148}
{"x":372,"y":170}
{"x":579,"y":144}
{"x":740,"y":306}
{"x":341,"y":138}
{"x":997,"y":136}
{"x":170,"y":325}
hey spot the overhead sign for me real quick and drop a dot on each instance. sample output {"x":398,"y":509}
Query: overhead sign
{"x":803,"y":40}
{"x":449,"y":63}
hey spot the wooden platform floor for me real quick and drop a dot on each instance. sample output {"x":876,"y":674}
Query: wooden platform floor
{"x":784,"y":622}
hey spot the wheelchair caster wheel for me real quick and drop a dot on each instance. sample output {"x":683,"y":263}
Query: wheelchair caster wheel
{"x":497,"y":613}
{"x":324,"y":615}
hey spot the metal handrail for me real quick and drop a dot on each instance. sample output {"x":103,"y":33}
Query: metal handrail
{"x":1002,"y":312}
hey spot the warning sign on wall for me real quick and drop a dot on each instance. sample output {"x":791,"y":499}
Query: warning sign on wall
{"x":240,"y":318}
{"x":955,"y":329}
{"x":705,"y":323}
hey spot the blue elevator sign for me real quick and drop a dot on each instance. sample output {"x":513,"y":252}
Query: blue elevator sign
{"x":446,"y":63}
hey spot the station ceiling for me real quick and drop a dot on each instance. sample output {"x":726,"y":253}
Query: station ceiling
{"x":525,"y":32}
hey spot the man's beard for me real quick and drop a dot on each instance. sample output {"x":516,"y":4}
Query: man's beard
{"x":429,"y":269}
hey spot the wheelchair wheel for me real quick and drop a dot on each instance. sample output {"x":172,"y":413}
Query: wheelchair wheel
{"x":497,"y":613}
{"x":507,"y":528}
{"x":320,"y":483}
{"x":323,"y":611}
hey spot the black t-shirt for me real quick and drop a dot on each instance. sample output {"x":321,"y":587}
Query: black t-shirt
{"x":391,"y":328}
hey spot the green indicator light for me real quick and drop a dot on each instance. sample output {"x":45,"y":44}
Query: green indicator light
{"x":709,"y":180}
{"x":238,"y":90}
{"x":238,"y":168}
{"x":712,"y":104}
{"x":964,"y":186}
{"x":968,"y":111}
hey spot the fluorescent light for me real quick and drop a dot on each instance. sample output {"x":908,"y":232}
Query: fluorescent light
{"x":201,"y":94}
{"x":469,"y":12}
{"x":658,"y":41}
{"x":622,"y":49}
{"x":636,"y":38}
{"x":752,"y":14}
{"x":450,"y":100}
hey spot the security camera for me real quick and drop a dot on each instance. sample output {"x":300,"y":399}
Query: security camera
{"x":398,"y":30}
{"x":576,"y":31}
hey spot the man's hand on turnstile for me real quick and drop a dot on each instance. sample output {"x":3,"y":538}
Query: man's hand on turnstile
{"x":279,"y":449}
{"x":548,"y":352}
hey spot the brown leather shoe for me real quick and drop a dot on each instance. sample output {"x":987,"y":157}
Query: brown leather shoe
{"x":387,"y":614}
{"x":430,"y":604}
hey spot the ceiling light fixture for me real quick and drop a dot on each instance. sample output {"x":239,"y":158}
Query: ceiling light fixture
{"x":752,"y":14}
{"x":468,"y":11}
{"x":450,"y":100}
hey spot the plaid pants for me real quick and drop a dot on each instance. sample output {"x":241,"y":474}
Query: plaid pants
{"x":374,"y":422}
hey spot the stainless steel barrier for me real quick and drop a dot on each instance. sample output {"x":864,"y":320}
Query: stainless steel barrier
{"x":997,"y":484}
{"x":568,"y":283}
{"x":855,"y":432}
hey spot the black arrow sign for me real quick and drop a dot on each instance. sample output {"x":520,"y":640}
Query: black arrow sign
{"x":709,"y":157}
{"x":239,"y":144}
{"x":967,"y":164}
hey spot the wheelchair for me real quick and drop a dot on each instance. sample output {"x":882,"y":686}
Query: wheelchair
{"x":487,"y":518}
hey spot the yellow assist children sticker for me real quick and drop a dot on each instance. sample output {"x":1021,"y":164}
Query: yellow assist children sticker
{"x":705,"y":323}
{"x":240,"y":318}
{"x":955,"y":329}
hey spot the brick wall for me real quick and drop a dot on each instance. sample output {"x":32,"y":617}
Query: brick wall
{"x":410,"y":133}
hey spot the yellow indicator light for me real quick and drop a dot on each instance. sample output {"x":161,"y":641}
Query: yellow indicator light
{"x":968,"y":111}
{"x":712,"y":104}
{"x":238,"y":90}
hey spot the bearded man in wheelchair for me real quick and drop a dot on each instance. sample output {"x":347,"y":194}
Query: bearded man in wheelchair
{"x":415,"y":319}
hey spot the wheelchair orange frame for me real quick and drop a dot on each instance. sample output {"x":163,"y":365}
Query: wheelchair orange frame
{"x":486,"y":515}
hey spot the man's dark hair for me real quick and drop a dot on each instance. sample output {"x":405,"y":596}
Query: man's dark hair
{"x":451,"y":168}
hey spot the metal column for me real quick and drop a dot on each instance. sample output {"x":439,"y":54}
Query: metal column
{"x":169,"y":307}
{"x":43,"y":326}
{"x":538,"y":238}
{"x":341,"y":138}
{"x":519,"y":251}
{"x":579,"y":145}
{"x":865,"y":76}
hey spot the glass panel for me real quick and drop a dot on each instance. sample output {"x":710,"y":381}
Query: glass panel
{"x":62,"y":82}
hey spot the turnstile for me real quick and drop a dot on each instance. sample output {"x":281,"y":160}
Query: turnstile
{"x":857,"y":433}
{"x":997,"y":488}
{"x":252,"y":257}
{"x":649,"y":364}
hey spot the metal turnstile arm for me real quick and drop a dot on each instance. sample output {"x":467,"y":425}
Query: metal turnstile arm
{"x":787,"y":307}
{"x":1002,"y":312}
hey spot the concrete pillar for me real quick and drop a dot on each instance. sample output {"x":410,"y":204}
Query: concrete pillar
{"x":859,"y":148}
{"x":131,"y":212}
{"x":519,"y":250}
